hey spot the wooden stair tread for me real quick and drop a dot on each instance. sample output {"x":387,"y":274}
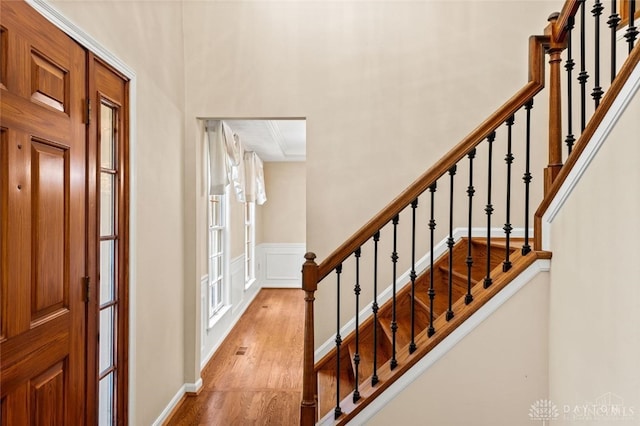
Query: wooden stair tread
{"x":327,"y":388}
{"x":403,"y":321}
{"x":500,"y":243}
{"x":458,"y":279}
{"x":366,"y":353}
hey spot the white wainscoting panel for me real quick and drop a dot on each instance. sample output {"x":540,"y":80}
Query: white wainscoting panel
{"x":280,"y":265}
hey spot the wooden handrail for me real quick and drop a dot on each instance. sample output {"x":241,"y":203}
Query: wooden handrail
{"x":584,"y":139}
{"x":560,"y":27}
{"x":537,"y":45}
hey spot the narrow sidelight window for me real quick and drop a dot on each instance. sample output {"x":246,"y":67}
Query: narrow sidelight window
{"x":216,"y":216}
{"x":109,"y":302}
{"x":249,"y":243}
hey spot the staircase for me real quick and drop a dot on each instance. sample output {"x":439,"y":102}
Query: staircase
{"x":436,"y":299}
{"x":379,"y":330}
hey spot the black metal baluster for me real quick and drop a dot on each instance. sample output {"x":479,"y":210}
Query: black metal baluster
{"x":506,"y":265}
{"x":569,"y":65}
{"x":632,"y":31}
{"x":614,"y":20}
{"x":356,"y":356}
{"x":526,"y":248}
{"x":489,"y":210}
{"x":374,"y":376}
{"x":452,"y":173}
{"x":470,"y":192}
{"x":583,"y":76}
{"x":394,"y":324}
{"x":338,"y":411}
{"x":432,"y":227}
{"x":412,"y":345}
{"x":596,"y":11}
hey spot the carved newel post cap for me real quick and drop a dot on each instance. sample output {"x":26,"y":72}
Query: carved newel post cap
{"x":554,"y":16}
{"x":310,"y":256}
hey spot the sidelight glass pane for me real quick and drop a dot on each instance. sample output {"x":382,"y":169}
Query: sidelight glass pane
{"x":107,"y":271}
{"x":106,"y":338}
{"x":105,"y":415}
{"x":107,"y":204}
{"x":215,"y":268}
{"x":215,"y":243}
{"x":214,"y":218}
{"x":107,"y":137}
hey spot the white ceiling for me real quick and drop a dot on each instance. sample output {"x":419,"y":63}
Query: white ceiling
{"x":273,"y":140}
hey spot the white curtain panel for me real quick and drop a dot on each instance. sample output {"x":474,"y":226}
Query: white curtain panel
{"x":218,"y":174}
{"x":226,"y":163}
{"x":236,"y":167}
{"x":254,"y":178}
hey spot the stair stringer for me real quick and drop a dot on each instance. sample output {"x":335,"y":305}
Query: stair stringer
{"x":404,"y":280}
{"x":448,"y":343}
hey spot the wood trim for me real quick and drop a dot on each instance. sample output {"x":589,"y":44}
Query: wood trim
{"x":624,"y":13}
{"x":584,"y":139}
{"x":104,"y":82}
{"x":555,"y":102}
{"x":124,"y":205}
{"x":92,"y":253}
{"x":535,"y":84}
{"x":308,"y":404}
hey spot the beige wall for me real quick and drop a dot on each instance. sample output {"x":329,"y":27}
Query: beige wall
{"x":595,"y":296}
{"x":284,"y":214}
{"x":491,"y":377}
{"x":386,"y":88}
{"x":147,"y":36}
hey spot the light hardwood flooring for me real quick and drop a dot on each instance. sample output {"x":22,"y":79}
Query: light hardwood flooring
{"x":255,"y":377}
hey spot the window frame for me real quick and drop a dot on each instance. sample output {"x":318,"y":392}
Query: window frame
{"x":216,"y":288}
{"x":249,"y":243}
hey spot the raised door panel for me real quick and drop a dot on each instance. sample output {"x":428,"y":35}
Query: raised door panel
{"x":48,"y":394}
{"x":4,"y":168}
{"x":50,"y":196}
{"x":49,"y":82}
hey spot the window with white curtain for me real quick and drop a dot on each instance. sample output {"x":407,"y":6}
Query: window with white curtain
{"x":216,"y":249}
{"x":249,"y":243}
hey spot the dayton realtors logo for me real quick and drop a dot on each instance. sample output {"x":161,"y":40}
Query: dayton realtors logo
{"x":543,"y":410}
{"x":605,"y":407}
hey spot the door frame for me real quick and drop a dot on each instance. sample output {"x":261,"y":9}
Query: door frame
{"x":92,"y":45}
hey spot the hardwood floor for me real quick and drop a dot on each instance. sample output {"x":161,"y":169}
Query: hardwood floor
{"x":255,"y":377}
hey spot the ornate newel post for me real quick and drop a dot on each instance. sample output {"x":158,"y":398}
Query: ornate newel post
{"x":555,"y":106}
{"x":309,"y":389}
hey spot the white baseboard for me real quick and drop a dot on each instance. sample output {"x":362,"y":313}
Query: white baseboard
{"x":404,"y":279}
{"x":186,"y":388}
{"x":447,"y":343}
{"x":279,"y":265}
{"x":193,"y":387}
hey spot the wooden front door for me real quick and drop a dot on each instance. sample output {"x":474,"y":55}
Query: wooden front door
{"x":43,"y":229}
